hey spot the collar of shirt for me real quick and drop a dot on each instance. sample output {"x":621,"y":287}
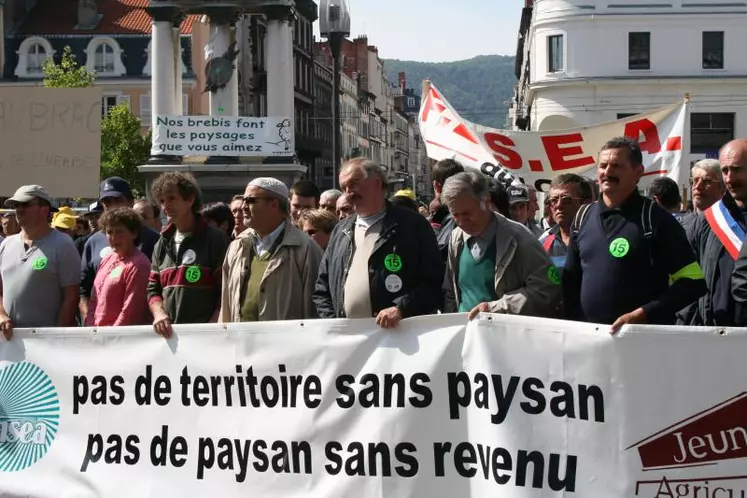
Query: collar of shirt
{"x":264,"y":244}
{"x":558,"y":238}
{"x":486,"y":236}
{"x":368,"y":221}
{"x":630,"y":205}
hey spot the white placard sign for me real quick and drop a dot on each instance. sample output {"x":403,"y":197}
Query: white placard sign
{"x":223,"y":136}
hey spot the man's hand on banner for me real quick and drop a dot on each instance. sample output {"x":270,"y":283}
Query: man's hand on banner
{"x":637,"y":316}
{"x":480,"y":308}
{"x":6,"y":325}
{"x":389,"y":318}
{"x":162,"y":325}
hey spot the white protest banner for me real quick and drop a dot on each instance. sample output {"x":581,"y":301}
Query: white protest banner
{"x":50,"y":137}
{"x":502,"y":406}
{"x":223,"y":136}
{"x":538,"y":157}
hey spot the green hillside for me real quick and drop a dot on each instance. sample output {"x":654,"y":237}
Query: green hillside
{"x":477,"y":88}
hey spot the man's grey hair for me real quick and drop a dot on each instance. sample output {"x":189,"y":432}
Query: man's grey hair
{"x":370,"y":168}
{"x":473,"y":183}
{"x":711,"y":166}
{"x":333,"y":192}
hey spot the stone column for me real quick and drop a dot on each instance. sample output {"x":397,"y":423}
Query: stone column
{"x":223,"y":101}
{"x":163,"y":77}
{"x":178,"y":85}
{"x":279,"y":60}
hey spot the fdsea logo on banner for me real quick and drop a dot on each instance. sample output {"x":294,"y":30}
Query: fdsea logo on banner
{"x":29,"y":415}
{"x":703,"y":441}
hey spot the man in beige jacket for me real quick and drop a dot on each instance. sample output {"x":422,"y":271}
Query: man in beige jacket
{"x":270,"y":269}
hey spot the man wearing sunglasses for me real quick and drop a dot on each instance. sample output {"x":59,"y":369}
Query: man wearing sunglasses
{"x":270,"y":269}
{"x":567,"y":194}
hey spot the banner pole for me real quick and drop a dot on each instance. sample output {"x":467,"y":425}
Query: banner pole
{"x":425,"y":88}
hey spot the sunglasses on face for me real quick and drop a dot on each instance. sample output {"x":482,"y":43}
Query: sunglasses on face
{"x":563,"y":200}
{"x":253,"y":200}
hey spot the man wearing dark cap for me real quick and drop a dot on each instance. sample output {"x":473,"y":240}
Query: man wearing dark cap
{"x":38,"y":267}
{"x":92,"y":218}
{"x":519,"y":201}
{"x":114,"y":192}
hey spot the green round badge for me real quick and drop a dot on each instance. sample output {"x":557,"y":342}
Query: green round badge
{"x":393,"y":263}
{"x":40,"y":263}
{"x":619,"y":247}
{"x":553,"y":275}
{"x":115,"y":272}
{"x":193,"y":274}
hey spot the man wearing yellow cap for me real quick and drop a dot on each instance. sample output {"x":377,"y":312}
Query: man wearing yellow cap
{"x":65,"y":223}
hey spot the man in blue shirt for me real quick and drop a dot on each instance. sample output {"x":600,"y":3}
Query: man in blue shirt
{"x":629,"y":260}
{"x":114,"y":192}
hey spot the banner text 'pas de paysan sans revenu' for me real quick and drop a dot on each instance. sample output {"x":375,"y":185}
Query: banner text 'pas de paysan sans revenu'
{"x":441,"y":407}
{"x":494,"y":394}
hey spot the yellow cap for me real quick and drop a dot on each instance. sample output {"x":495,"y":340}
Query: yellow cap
{"x":64,"y":220}
{"x":63,"y":210}
{"x":406,"y":193}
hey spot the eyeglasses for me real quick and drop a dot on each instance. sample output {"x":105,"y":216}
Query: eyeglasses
{"x":254,"y":200}
{"x":706,"y":182}
{"x":563,"y":200}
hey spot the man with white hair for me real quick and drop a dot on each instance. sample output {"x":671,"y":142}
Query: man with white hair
{"x":494,"y":265}
{"x":382,"y":261}
{"x":707,"y":188}
{"x":270,"y":269}
{"x":328,"y":200}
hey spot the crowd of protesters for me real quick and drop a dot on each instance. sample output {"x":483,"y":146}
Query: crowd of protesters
{"x":274,"y":253}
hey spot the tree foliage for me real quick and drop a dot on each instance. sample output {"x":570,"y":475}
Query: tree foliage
{"x":68,"y":73}
{"x":123,"y":147}
{"x":477,"y":88}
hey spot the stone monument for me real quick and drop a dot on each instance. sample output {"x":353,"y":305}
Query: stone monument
{"x":221,"y":176}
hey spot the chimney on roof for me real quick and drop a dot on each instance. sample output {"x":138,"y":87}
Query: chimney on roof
{"x":88,"y":14}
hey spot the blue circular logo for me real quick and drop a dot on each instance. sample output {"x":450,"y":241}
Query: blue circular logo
{"x":29,"y":415}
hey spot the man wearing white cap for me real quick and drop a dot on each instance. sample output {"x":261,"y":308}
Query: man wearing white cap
{"x":39,"y":267}
{"x":270,"y":269}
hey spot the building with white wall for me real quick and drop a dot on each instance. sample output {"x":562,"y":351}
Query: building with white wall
{"x":582,"y":62}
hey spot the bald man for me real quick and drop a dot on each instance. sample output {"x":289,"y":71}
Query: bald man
{"x":717,"y":236}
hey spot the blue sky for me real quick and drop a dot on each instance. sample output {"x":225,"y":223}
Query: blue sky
{"x":437,"y":30}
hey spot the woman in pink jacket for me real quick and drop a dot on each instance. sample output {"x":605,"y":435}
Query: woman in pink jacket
{"x":119,"y":295}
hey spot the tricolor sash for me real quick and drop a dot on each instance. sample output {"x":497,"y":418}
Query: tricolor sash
{"x":726,"y":228}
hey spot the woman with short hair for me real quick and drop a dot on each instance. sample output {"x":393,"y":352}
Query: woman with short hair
{"x":119,"y":295}
{"x":318,"y":224}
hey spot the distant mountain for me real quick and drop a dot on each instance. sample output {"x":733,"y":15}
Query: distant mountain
{"x":477,"y":88}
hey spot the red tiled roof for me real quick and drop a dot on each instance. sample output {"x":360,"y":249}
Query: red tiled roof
{"x":120,"y":17}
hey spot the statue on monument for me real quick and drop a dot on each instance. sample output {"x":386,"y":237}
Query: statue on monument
{"x":218,"y":70}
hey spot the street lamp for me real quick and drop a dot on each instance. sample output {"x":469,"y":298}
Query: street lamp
{"x":335,"y":26}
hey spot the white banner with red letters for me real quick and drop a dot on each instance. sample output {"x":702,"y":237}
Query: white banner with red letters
{"x":538,"y":157}
{"x":502,"y":406}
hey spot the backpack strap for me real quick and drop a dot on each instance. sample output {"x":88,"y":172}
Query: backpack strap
{"x":648,"y":227}
{"x":646,"y":223}
{"x":579,"y":219}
